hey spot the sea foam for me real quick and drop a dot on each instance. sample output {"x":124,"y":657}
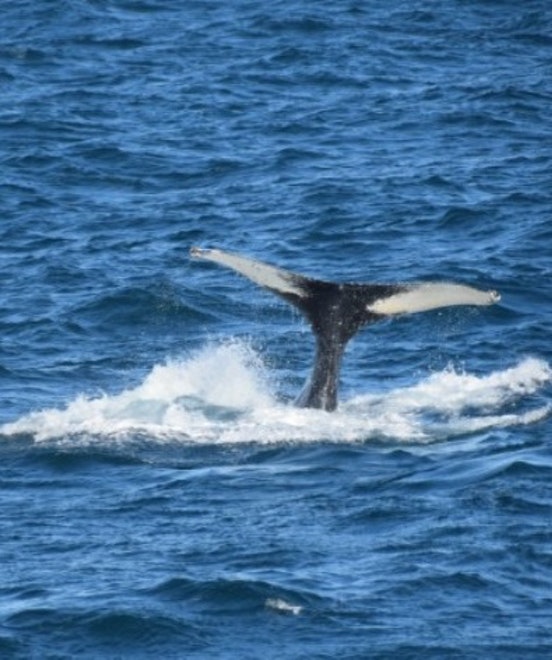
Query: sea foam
{"x":222,"y":394}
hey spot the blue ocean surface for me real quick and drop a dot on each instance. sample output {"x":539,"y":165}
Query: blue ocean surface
{"x":161,"y":497}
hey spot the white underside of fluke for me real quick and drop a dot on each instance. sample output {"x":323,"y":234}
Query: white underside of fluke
{"x":262,"y":274}
{"x":432,"y":295}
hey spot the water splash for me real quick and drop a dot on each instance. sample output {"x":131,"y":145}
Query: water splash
{"x":222,"y":395}
{"x":282,"y":606}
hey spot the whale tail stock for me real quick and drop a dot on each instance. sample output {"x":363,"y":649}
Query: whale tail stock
{"x":337,"y":311}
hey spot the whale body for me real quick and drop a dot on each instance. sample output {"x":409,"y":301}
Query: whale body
{"x":337,"y":311}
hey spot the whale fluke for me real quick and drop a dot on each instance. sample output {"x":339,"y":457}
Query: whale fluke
{"x":336,"y":312}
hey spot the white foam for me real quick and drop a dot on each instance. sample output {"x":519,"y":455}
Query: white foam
{"x":175,"y":399}
{"x":221,"y":395}
{"x":451,"y":392}
{"x":282,"y":606}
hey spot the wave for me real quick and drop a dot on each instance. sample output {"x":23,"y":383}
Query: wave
{"x":222,"y":394}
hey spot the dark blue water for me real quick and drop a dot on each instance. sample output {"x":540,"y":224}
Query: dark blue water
{"x":160,"y":495}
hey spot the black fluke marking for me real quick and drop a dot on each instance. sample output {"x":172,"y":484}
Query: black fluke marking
{"x":336,"y":312}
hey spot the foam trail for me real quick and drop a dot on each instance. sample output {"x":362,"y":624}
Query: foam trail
{"x":452,"y":392}
{"x":222,"y":395}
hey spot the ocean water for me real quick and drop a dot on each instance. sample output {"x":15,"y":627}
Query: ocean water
{"x":160,"y":495}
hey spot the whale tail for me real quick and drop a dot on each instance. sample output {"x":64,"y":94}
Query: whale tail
{"x":336,"y":312}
